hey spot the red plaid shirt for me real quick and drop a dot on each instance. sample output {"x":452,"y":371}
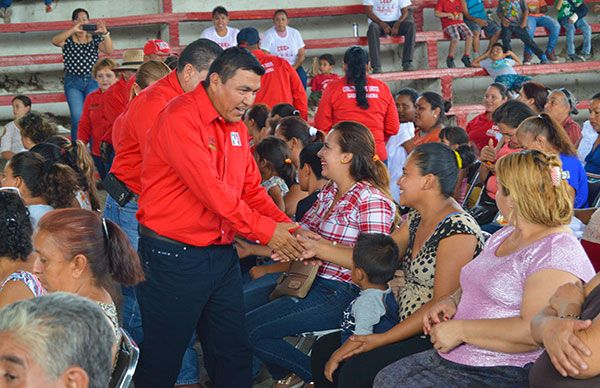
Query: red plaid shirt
{"x":363,"y":209}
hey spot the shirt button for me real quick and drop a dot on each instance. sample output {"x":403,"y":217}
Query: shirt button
{"x":222,"y":232}
{"x":257,"y":241}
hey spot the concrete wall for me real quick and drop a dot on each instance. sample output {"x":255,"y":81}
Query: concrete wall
{"x":48,"y":78}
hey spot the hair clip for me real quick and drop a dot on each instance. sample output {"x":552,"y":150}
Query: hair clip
{"x":556,"y":175}
{"x":312,"y":131}
{"x":376,"y":158}
{"x":458,"y":160}
{"x":288,"y":161}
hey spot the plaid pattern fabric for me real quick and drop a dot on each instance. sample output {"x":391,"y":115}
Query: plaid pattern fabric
{"x":458,"y":31}
{"x":363,"y":209}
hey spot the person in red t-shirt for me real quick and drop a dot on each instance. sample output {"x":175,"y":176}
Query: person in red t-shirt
{"x":281,"y":83}
{"x":320,"y":81}
{"x":93,"y":125}
{"x":451,"y":14}
{"x":201,"y":187}
{"x":357,"y":97}
{"x":481,"y":129}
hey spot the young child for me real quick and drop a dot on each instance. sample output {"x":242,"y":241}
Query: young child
{"x":513,"y":15}
{"x":324,"y":76}
{"x":499,"y":66}
{"x":477,"y":20}
{"x":571,"y":20}
{"x":457,"y":139}
{"x":10,"y":138}
{"x":376,"y":258}
{"x":276,"y":168}
{"x":450,"y":13}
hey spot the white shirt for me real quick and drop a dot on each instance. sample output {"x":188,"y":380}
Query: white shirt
{"x":397,"y":156}
{"x":387,"y":10}
{"x":11,"y":139}
{"x":287,"y":47}
{"x":587,"y":141}
{"x":229,"y":40}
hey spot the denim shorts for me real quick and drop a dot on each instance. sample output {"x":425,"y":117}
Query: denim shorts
{"x":491,"y":28}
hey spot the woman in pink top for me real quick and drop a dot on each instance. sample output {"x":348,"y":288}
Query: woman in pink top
{"x":481,"y":333}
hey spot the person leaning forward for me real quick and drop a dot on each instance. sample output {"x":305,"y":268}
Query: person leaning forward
{"x":200,"y":187}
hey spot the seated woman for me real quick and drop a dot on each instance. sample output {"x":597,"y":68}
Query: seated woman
{"x":355,"y":201}
{"x":44,"y":185}
{"x":543,"y":133}
{"x":16,"y":280}
{"x":534,"y":95}
{"x":34,"y":129}
{"x":78,"y":251}
{"x":481,"y":128}
{"x":481,"y":333}
{"x":430,"y":115}
{"x":436,"y":241}
{"x":568,"y":329}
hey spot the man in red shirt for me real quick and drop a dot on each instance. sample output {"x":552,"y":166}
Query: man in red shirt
{"x":200,"y":187}
{"x":281,"y":82}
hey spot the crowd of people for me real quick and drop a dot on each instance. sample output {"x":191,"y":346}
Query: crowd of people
{"x":417,"y":252}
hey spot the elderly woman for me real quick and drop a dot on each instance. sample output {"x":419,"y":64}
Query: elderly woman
{"x":78,"y":251}
{"x":16,"y":279}
{"x":56,"y":340}
{"x":560,"y":106}
{"x":481,"y":333}
{"x":481,"y":128}
{"x":80,"y":51}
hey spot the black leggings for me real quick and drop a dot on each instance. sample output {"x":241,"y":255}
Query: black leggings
{"x":360,"y":370}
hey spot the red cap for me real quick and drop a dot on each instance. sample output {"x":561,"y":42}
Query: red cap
{"x":157,"y":46}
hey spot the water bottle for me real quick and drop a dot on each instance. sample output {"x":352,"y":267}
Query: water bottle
{"x":355,"y":30}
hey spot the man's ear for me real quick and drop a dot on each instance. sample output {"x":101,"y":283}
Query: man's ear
{"x":75,"y":377}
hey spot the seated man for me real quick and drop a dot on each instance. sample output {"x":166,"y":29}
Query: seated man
{"x":46,"y":342}
{"x":390,"y":18}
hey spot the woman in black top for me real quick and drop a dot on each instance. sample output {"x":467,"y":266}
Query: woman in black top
{"x":80,"y":53}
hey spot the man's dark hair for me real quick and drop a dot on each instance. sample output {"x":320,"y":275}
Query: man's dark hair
{"x":512,"y":113}
{"x":220,"y":10}
{"x":329,"y":58}
{"x":232,"y":60}
{"x":499,"y":45}
{"x":378,"y":255}
{"x":200,"y":54}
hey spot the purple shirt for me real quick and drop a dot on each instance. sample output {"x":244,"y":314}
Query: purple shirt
{"x":493,"y":287}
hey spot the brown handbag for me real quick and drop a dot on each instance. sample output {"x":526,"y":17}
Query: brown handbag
{"x":296,"y":282}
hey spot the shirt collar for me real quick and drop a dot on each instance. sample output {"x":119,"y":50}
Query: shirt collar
{"x":205,"y":105}
{"x":174,"y":82}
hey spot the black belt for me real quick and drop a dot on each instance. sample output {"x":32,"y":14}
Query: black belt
{"x":147,"y":232}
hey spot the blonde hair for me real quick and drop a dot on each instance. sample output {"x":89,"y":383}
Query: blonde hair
{"x":104,"y":63}
{"x":149,"y":72}
{"x":526,"y":177}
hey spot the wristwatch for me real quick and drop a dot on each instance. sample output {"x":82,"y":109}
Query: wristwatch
{"x":107,"y":34}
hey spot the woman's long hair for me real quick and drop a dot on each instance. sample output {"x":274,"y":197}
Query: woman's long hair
{"x":356,"y":60}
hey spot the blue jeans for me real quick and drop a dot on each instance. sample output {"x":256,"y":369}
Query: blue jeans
{"x":77,"y":87}
{"x":586,"y":31}
{"x":191,"y":289}
{"x":132,"y":319}
{"x":256,"y":292}
{"x":8,"y":3}
{"x":322,"y":309}
{"x":303,"y":77}
{"x":549,"y":24}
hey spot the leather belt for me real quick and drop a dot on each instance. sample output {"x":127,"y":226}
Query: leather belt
{"x":147,"y":232}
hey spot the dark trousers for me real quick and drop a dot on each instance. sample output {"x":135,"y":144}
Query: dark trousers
{"x":192,"y":288}
{"x":521,"y":33}
{"x":407,"y":29}
{"x":360,"y":370}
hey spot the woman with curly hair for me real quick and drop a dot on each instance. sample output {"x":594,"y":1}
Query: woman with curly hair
{"x":16,"y":280}
{"x":44,"y":185}
{"x":34,"y":129}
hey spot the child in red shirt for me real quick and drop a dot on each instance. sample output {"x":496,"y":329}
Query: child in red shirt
{"x":451,"y":14}
{"x":320,"y":80}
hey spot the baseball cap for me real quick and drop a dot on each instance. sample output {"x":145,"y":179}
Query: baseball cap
{"x":157,"y":46}
{"x":248,"y":36}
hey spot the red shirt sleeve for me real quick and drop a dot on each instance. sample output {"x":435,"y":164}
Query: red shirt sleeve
{"x":392,"y":122}
{"x":440,"y":6}
{"x":324,"y":116}
{"x":84,"y":128}
{"x":300,"y":101}
{"x":190,"y":158}
{"x":313,"y":83}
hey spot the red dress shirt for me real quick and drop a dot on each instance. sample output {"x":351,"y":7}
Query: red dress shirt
{"x":280,"y":84}
{"x":116,"y":101}
{"x":141,"y":114}
{"x":200,"y":183}
{"x":338,"y":103}
{"x":93,"y":124}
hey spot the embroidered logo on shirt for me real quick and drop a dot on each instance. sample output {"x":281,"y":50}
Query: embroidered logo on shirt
{"x":235,"y":139}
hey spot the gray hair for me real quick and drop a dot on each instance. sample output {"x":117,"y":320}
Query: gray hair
{"x":63,"y":330}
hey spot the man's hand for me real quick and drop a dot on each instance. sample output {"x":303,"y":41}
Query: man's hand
{"x":284,"y":244}
{"x":386,"y":28}
{"x":481,"y":22}
{"x":505,"y":22}
{"x":258,"y":271}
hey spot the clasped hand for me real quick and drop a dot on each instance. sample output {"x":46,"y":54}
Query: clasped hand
{"x":297,"y":246}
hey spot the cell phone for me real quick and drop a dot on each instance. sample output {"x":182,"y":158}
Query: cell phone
{"x":89,"y":27}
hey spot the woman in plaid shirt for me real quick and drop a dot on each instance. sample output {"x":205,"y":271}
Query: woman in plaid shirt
{"x":356,"y":200}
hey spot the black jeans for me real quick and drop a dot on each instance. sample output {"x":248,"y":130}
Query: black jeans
{"x":360,"y":370}
{"x":192,"y":288}
{"x":521,"y":33}
{"x":407,"y":29}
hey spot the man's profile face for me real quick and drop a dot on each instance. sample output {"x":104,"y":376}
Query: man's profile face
{"x":233,"y":97}
{"x":18,"y":368}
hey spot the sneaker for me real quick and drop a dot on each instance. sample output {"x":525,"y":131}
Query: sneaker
{"x":466,"y":60}
{"x":527,"y":58}
{"x":551,"y":56}
{"x":450,"y":63}
{"x":408,"y":66}
{"x":576,"y":58}
{"x":586,"y":57}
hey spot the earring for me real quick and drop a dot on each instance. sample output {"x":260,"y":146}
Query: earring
{"x":435,"y":116}
{"x":344,"y":161}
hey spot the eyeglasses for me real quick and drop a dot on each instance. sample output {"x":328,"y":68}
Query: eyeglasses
{"x":14,"y":190}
